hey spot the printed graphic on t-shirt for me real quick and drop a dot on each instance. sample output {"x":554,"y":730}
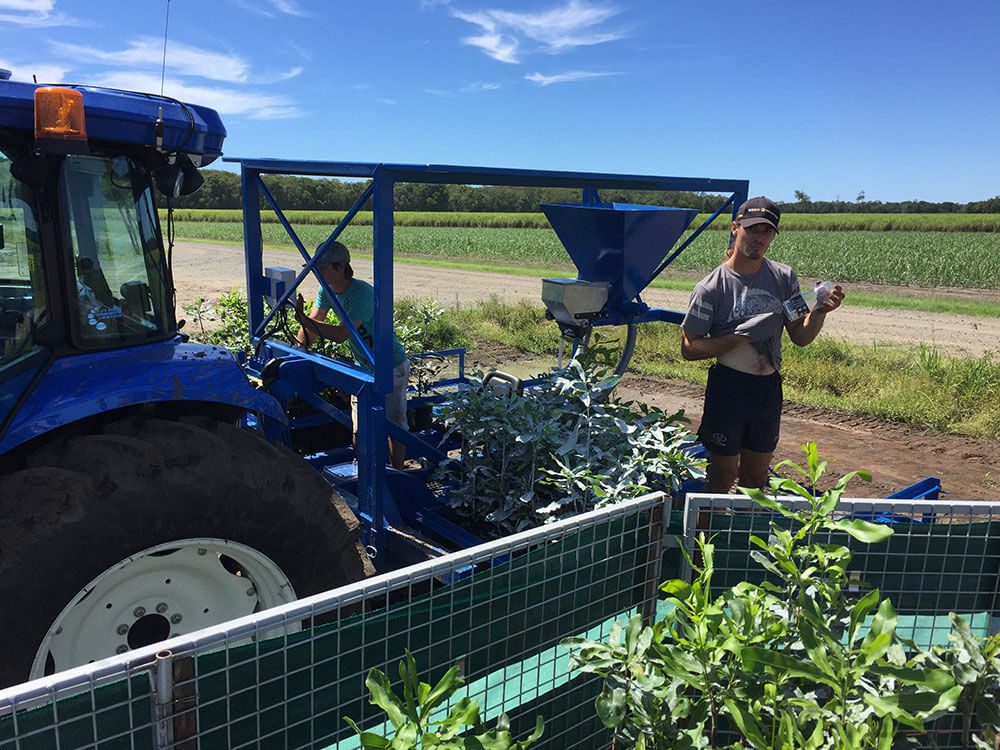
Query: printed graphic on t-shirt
{"x":753,"y":302}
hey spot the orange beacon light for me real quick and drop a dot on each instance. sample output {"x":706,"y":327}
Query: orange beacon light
{"x":59,"y":120}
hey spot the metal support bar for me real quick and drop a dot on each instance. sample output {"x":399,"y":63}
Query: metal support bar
{"x":694,"y":235}
{"x":310,"y":268}
{"x":162,"y":674}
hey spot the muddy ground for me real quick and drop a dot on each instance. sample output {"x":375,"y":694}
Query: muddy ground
{"x":896,"y":455}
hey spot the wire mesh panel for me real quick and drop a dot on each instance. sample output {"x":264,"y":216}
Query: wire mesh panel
{"x":287,"y":677}
{"x":942,"y":556}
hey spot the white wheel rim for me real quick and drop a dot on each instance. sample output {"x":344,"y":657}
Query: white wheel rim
{"x":164,"y":591}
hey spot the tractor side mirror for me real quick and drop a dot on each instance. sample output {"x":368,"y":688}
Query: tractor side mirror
{"x":168,"y":180}
{"x":179,"y":178}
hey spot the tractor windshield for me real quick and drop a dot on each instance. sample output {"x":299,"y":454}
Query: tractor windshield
{"x":23,"y":302}
{"x":120,"y":287}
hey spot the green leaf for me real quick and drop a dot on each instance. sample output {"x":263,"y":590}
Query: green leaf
{"x":937,"y":680}
{"x":611,"y":707}
{"x":744,"y":719}
{"x":447,"y":685}
{"x":463,"y":714}
{"x":863,"y":531}
{"x":912,"y":708}
{"x":381,"y":695}
{"x":406,"y":737}
{"x":676,"y":587}
{"x":860,"y":611}
{"x":770,"y":504}
{"x":368,"y":739}
{"x":761,"y":657}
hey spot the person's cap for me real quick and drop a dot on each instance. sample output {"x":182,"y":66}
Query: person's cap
{"x":333,"y":254}
{"x":759,"y":211}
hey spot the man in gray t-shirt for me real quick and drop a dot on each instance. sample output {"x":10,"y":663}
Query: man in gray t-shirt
{"x":736,"y":317}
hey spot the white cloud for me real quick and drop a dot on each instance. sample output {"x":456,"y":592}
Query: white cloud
{"x":226,"y":101}
{"x":440,"y":92}
{"x":558,"y":29}
{"x":571,"y":76}
{"x":43,"y":72}
{"x":147,"y":51}
{"x":477,"y":86}
{"x":383,"y":100}
{"x":34,"y":14}
{"x":272,"y":8}
{"x":279,"y":77}
{"x":499,"y":46}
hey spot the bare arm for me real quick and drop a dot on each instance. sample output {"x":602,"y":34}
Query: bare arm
{"x":315,"y":326}
{"x":804,"y":331}
{"x":704,"y":347}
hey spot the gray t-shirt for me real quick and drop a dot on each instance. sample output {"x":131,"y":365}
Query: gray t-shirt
{"x":724,"y":299}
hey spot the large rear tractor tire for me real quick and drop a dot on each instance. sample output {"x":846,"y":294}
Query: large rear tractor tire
{"x":156,"y":528}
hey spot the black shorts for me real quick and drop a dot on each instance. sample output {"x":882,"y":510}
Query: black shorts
{"x":741,"y":411}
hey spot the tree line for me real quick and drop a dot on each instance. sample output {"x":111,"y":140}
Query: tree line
{"x":222,"y":190}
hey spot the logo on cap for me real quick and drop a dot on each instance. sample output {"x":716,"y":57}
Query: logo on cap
{"x":759,"y":210}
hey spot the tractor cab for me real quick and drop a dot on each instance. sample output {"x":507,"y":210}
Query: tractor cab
{"x":106,"y":272}
{"x":83,"y":264}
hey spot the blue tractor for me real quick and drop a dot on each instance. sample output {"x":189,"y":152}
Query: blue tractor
{"x":134,"y":501}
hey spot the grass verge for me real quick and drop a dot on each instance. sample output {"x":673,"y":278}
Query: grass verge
{"x":920,"y":387}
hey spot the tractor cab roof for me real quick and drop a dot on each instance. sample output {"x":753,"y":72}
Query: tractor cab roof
{"x":125,"y":117}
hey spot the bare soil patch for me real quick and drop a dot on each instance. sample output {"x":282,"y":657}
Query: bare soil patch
{"x":896,"y":455}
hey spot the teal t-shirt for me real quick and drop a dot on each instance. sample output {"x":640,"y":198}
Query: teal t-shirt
{"x":359,"y":303}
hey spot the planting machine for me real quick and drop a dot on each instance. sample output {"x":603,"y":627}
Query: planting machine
{"x":148,"y":486}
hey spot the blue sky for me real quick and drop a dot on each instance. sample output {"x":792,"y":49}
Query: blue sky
{"x":900,"y":100}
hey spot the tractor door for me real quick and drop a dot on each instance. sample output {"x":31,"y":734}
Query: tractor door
{"x":121,"y":294}
{"x":23,"y":298}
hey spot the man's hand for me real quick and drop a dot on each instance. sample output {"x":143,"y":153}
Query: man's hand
{"x":302,"y":337}
{"x":832,"y":302}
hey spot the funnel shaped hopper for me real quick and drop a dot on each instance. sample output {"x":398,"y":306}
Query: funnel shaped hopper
{"x":620,"y":243}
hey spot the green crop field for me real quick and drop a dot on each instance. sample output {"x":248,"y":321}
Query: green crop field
{"x":953,"y":259}
{"x":790,"y":222}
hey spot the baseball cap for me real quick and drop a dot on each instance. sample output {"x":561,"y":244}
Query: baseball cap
{"x":332,"y":254}
{"x":759,"y":210}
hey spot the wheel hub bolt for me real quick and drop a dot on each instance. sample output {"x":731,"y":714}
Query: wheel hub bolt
{"x":176,"y":618}
{"x":139,"y":611}
{"x":251,"y":591}
{"x":161,"y":607}
{"x":121,"y":649}
{"x":203,"y":552}
{"x":122,"y":629}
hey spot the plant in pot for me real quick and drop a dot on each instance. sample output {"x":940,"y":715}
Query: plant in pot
{"x":424,"y":372}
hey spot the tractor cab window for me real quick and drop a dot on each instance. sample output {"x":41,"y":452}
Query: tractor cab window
{"x":23,"y":302}
{"x":120,"y":288}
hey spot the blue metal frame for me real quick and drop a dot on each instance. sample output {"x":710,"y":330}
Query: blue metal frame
{"x":302,"y":372}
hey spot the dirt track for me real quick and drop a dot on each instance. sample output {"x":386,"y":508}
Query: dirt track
{"x":896,"y":455}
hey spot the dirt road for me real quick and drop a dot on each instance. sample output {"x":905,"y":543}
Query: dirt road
{"x":205,"y":271}
{"x":896,"y":455}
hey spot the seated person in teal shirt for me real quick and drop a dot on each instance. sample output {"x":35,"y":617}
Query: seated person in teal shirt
{"x":358,"y":300}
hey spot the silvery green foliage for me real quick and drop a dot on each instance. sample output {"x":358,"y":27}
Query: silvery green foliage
{"x":974,"y":663}
{"x":561,"y":448}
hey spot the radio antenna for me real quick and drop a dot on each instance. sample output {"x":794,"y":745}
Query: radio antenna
{"x":163,"y":69}
{"x":163,"y":75}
